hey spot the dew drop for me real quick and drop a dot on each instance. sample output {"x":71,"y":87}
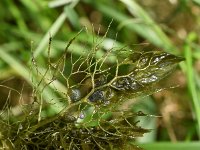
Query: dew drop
{"x":106,"y":102}
{"x":81,"y":116}
{"x":75,"y":95}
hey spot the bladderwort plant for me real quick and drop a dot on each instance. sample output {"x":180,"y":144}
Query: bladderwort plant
{"x":88,"y":112}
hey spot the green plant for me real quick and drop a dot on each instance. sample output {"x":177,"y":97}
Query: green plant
{"x":91,"y":113}
{"x":170,"y":26}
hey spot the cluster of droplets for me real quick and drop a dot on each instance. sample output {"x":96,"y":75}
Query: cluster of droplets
{"x":145,"y":69}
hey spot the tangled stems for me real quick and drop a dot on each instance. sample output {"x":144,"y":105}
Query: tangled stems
{"x":96,"y":88}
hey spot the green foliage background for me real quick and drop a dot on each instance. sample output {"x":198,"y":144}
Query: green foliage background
{"x":171,"y":26}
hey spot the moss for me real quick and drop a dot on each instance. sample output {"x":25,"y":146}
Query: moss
{"x":92,"y":117}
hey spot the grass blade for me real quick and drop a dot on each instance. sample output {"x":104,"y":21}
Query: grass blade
{"x":191,"y":80}
{"x":171,"y":146}
{"x":53,"y":30}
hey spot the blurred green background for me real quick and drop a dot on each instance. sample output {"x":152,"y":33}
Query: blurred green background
{"x":169,"y":25}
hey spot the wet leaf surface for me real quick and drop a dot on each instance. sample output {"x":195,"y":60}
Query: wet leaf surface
{"x":145,"y":70}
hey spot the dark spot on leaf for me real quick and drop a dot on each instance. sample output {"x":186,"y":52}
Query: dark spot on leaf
{"x":96,"y":96}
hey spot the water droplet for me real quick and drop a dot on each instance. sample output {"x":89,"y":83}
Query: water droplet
{"x":81,"y":116}
{"x":97,"y":95}
{"x":106,"y":102}
{"x":75,"y":95}
{"x":150,"y":79}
